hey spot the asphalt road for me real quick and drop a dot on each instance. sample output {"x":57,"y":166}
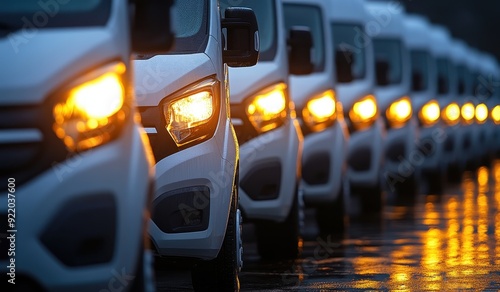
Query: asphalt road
{"x":448,"y":242}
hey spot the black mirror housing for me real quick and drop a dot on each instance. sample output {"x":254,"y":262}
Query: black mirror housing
{"x":382,"y":70}
{"x":242,"y":37}
{"x":300,"y":42}
{"x":343,"y":60}
{"x":150,"y":26}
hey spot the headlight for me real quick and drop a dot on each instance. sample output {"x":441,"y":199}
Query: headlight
{"x":430,"y":113}
{"x":481,"y":113}
{"x":495,"y":114}
{"x":320,"y":111}
{"x":267,"y":110}
{"x":188,"y":113}
{"x":451,"y":114}
{"x":468,"y":112}
{"x":364,"y":112}
{"x":92,"y":110}
{"x":399,"y":112}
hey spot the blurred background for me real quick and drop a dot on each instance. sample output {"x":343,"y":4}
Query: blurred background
{"x":476,"y":22}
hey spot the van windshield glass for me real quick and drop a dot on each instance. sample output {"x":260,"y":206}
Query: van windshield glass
{"x":189,"y":23}
{"x":36,"y":14}
{"x":420,"y":70}
{"x":388,"y":61}
{"x":308,"y":16}
{"x":349,"y":45}
{"x":265,"y":12}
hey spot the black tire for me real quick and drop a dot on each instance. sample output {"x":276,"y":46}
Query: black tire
{"x":280,"y":240}
{"x":371,"y":199}
{"x":436,"y":183}
{"x":332,"y":218}
{"x":221,"y":273}
{"x":405,"y":192}
{"x":142,"y":281}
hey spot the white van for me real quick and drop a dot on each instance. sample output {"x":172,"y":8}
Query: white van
{"x":355,"y":72}
{"x":393,"y":85}
{"x":463,"y":65}
{"x":321,"y":120}
{"x":77,"y":166}
{"x":268,"y":133}
{"x":486,"y":95}
{"x":424,"y":102}
{"x":183,"y":99}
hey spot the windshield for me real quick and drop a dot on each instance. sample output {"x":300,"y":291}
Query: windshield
{"x":388,"y":61}
{"x":346,"y":40}
{"x":420,"y":61}
{"x":36,"y":14}
{"x":189,"y":23}
{"x":265,"y":12}
{"x":309,"y":16}
{"x":443,"y":80}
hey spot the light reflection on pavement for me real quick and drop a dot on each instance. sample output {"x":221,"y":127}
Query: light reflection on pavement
{"x":447,"y":242}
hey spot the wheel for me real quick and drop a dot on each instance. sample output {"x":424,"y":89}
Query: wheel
{"x":405,"y":192}
{"x":221,"y":273}
{"x":280,"y":240}
{"x":371,"y":199}
{"x":143,"y":279}
{"x":332,"y":218}
{"x":436,"y":182}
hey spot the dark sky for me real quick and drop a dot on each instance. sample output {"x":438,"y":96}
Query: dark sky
{"x":477,"y":22}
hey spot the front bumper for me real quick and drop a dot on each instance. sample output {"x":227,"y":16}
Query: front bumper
{"x":324,"y":163}
{"x":81,"y":223}
{"x":365,"y":156}
{"x":401,"y":153}
{"x":269,"y":172}
{"x":192,"y":198}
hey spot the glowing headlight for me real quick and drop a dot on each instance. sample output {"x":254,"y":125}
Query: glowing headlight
{"x":320,"y":111}
{"x":481,"y":113}
{"x":468,"y":112}
{"x":399,"y":112}
{"x":364,"y":112}
{"x":495,"y":114}
{"x":430,"y":113}
{"x":92,"y":111}
{"x":267,"y":110}
{"x":187,"y":116}
{"x":451,"y":114}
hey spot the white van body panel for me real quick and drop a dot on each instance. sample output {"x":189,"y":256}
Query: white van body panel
{"x":31,"y":74}
{"x":368,"y":140}
{"x":211,"y":163}
{"x":330,"y":143}
{"x":417,"y":39}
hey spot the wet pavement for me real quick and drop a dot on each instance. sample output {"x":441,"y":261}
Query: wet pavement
{"x":448,"y":242}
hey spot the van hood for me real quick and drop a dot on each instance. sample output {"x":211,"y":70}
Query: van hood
{"x":33,"y":67}
{"x":249,"y":80}
{"x":162,"y":75}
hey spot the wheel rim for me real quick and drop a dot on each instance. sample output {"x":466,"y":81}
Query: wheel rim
{"x":239,"y":241}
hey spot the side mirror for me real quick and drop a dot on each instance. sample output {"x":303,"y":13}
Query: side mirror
{"x":151,"y":31}
{"x":382,"y":72}
{"x":343,"y":63}
{"x":442,"y":85}
{"x":417,"y":81}
{"x":299,"y":56}
{"x":242,"y":37}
